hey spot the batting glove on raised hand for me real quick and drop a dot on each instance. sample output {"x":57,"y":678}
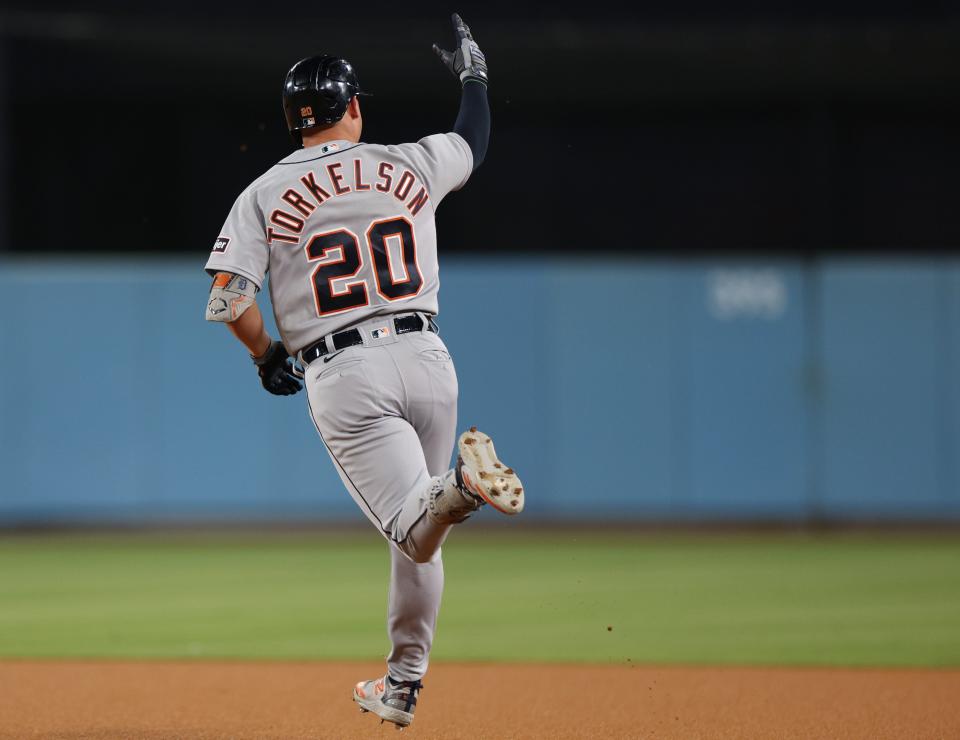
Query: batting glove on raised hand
{"x":276,"y":374}
{"x":466,"y":61}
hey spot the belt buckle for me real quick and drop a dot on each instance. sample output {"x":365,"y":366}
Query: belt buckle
{"x":298,"y":366}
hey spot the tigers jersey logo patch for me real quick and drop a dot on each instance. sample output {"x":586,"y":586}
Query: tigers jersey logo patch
{"x":220,"y":245}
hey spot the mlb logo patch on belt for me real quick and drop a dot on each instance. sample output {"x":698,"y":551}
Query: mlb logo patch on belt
{"x":381,"y":332}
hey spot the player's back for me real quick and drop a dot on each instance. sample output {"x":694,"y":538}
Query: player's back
{"x":346,"y":232}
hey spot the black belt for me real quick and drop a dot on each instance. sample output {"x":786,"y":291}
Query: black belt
{"x":352,"y":337}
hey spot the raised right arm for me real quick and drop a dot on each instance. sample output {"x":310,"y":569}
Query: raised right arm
{"x":468,"y":63}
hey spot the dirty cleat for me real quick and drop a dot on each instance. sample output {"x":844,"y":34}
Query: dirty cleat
{"x":481,"y":474}
{"x":393,"y":701}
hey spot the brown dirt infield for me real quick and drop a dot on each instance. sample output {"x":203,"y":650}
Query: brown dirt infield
{"x":98,"y":699}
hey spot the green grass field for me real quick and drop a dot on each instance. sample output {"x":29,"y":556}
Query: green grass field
{"x":844,"y":599}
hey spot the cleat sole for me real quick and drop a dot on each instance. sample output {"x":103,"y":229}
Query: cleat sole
{"x":495,"y":483}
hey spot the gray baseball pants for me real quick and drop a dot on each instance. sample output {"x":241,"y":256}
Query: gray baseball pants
{"x":387,"y":412}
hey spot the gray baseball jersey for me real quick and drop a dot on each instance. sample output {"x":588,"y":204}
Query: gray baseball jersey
{"x":346,"y":232}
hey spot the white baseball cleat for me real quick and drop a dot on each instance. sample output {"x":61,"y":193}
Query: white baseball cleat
{"x":392,"y":701}
{"x":480,"y":472}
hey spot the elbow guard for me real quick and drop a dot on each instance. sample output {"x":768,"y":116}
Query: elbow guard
{"x":230,"y":296}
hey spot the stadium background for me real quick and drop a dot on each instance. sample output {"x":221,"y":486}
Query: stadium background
{"x":716,"y":249}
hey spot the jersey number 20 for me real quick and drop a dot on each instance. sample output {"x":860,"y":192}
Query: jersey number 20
{"x":337,"y":284}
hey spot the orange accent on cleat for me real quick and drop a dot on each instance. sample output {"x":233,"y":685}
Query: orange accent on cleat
{"x":489,"y":479}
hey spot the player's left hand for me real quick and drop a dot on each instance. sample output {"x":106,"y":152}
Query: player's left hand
{"x":466,"y":61}
{"x":276,"y":373}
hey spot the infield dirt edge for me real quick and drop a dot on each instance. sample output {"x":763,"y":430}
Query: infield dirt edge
{"x":306,"y":699}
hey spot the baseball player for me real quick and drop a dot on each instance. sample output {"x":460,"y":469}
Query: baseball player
{"x":346,"y":231}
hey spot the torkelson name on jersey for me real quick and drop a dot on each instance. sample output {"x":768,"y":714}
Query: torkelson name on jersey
{"x":339,"y":181}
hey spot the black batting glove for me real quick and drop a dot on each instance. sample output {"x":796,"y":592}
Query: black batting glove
{"x":466,"y":61}
{"x":276,"y":373}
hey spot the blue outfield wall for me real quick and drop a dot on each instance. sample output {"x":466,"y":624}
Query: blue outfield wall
{"x":625,"y":389}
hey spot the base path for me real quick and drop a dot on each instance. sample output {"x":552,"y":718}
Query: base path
{"x":98,"y":699}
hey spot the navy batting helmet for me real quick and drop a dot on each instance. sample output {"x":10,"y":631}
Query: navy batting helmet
{"x":316,"y":91}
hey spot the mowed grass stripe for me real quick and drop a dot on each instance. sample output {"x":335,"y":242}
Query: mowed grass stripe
{"x":838,"y":599}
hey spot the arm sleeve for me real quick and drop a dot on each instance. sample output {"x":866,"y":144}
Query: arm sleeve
{"x":473,"y":120}
{"x":444,"y":161}
{"x":242,"y":245}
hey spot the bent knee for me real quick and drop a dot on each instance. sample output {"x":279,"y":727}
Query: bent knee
{"x":418,"y":555}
